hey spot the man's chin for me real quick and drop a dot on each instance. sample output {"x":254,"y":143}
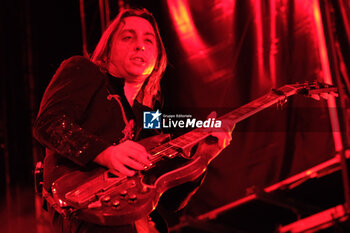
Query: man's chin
{"x":137,"y":77}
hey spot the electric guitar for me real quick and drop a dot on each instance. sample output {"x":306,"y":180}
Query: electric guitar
{"x":104,"y":197}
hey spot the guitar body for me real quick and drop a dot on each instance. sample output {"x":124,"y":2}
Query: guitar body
{"x":105,"y":198}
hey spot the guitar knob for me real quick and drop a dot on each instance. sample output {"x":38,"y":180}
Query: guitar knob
{"x":106,"y":199}
{"x":124,"y":193}
{"x":132,"y":198}
{"x":116,"y":203}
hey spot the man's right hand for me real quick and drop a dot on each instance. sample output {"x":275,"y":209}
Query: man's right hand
{"x":125,"y":158}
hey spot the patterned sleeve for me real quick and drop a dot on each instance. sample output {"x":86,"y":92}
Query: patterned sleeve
{"x":64,"y":101}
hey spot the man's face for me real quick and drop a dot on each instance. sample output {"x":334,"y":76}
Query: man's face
{"x":134,"y":50}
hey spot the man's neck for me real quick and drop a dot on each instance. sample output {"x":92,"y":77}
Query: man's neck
{"x":132,"y":85}
{"x":131,"y":90}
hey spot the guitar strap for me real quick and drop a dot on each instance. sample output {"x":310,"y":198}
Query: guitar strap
{"x":129,"y":130}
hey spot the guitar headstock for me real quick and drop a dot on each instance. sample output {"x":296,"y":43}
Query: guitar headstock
{"x":317,"y":90}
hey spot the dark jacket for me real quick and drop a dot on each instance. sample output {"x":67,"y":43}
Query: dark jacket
{"x":77,"y":120}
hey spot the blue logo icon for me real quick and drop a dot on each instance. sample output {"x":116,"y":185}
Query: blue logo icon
{"x":151,"y":120}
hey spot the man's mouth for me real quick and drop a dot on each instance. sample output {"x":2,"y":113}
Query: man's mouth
{"x":138,"y":59}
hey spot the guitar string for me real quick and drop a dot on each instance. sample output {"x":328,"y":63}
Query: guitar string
{"x":163,"y":150}
{"x":182,"y":141}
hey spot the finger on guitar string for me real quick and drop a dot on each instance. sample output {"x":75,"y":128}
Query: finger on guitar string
{"x":121,"y":168}
{"x":224,"y":133}
{"x":138,"y":152}
{"x":123,"y":156}
{"x":130,"y":162}
{"x":140,"y":157}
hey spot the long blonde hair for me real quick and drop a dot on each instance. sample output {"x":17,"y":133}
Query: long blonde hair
{"x":150,"y":91}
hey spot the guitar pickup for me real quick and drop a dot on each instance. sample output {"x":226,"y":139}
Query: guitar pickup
{"x":88,"y":191}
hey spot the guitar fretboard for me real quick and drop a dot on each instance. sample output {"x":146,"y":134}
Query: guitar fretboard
{"x":253,"y":107}
{"x":179,"y":144}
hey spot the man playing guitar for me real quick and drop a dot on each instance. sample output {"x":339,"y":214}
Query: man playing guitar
{"x":91,"y":113}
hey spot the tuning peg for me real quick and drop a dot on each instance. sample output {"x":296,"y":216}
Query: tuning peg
{"x":315,"y":96}
{"x":281,"y":103}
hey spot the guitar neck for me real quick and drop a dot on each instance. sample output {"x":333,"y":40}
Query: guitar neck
{"x":245,"y":111}
{"x":237,"y":115}
{"x":279,"y":95}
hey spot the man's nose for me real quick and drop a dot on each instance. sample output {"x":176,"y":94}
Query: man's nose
{"x":140,"y":46}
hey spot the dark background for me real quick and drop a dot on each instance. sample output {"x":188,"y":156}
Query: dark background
{"x":217,"y":65}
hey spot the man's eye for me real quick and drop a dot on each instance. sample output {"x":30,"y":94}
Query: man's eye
{"x":126,"y":38}
{"x":149,"y":41}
